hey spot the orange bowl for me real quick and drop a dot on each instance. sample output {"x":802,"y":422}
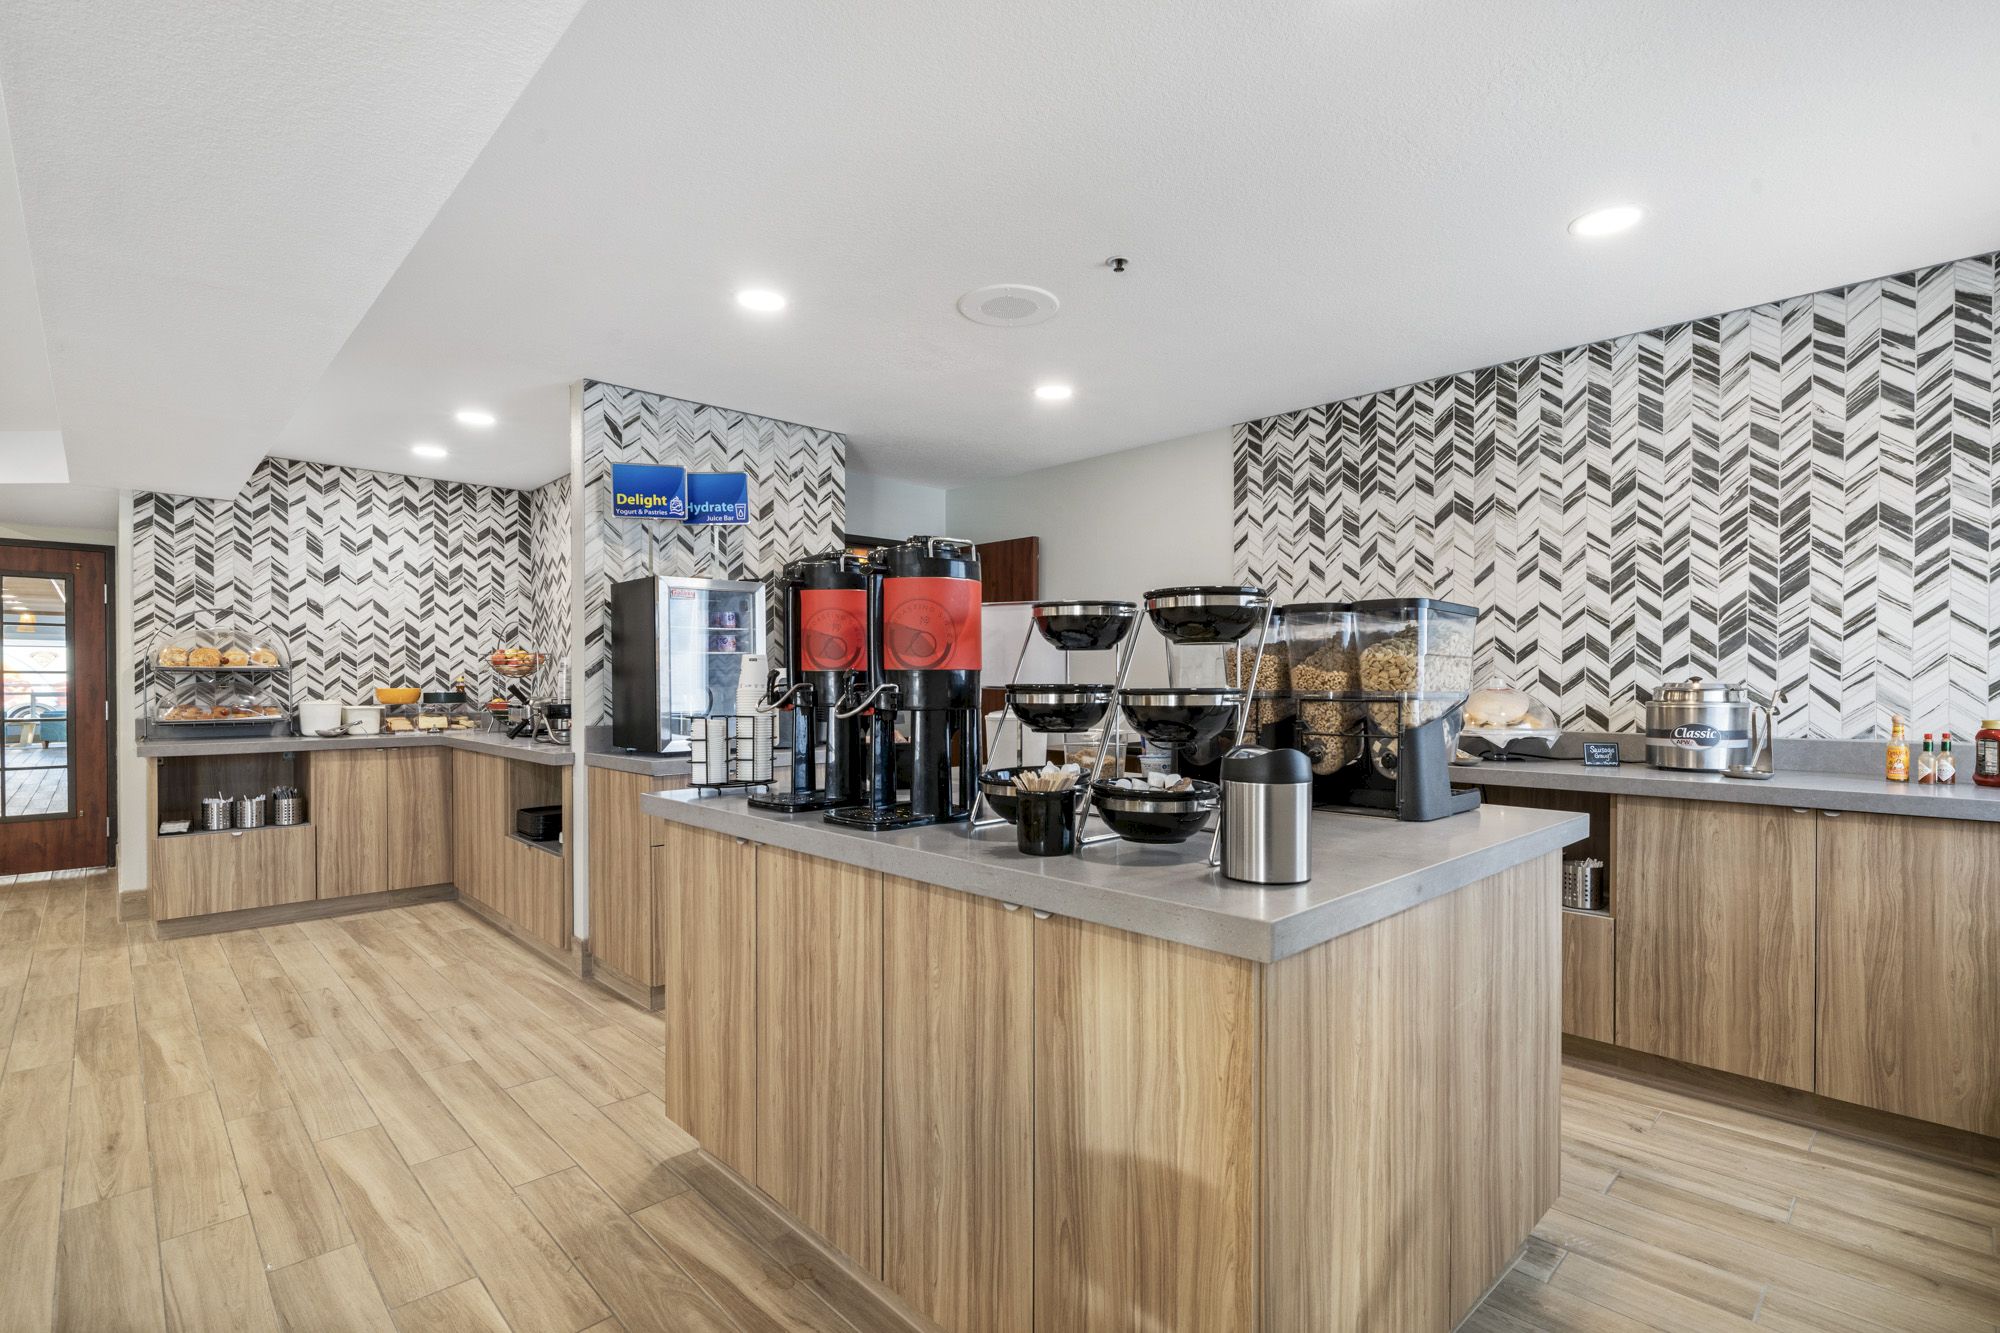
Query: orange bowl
{"x":393,"y":698}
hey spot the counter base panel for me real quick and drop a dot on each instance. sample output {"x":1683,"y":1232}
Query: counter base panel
{"x":570,"y":960}
{"x":311,"y":909}
{"x":1958,"y":1147}
{"x":624,"y":987}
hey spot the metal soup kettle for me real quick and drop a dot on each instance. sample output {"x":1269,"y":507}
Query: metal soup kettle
{"x":1710,"y":726}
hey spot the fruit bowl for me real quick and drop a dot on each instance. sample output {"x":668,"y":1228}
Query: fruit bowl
{"x":515,"y":663}
{"x":1207,"y":614}
{"x":1085,"y":627}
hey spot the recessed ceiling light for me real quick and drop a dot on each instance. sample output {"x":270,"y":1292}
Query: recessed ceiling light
{"x":1607,"y":221}
{"x":474,"y":416}
{"x":760,"y":298}
{"x":428,"y":450}
{"x":1053,"y":393}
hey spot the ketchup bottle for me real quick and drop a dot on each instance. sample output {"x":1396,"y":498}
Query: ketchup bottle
{"x":1986,"y":754}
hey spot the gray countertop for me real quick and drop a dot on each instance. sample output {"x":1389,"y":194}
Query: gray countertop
{"x":1803,"y":789}
{"x":483,"y":742}
{"x":627,"y":761}
{"x":1364,"y":869}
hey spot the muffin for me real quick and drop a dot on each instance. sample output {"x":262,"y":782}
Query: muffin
{"x":263,"y":657}
{"x":173,"y":657}
{"x":235,"y":657}
{"x":205,"y":657}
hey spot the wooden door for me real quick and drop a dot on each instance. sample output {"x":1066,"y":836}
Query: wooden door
{"x":819,"y":1048}
{"x":1146,"y":1135}
{"x":1714,"y":943}
{"x":1909,"y":967}
{"x":1011,"y":570}
{"x":418,"y":816}
{"x":707,"y":889}
{"x":1588,"y":951}
{"x":347,"y":800}
{"x":55,"y":764}
{"x":959,"y":1108}
{"x":478,"y":790}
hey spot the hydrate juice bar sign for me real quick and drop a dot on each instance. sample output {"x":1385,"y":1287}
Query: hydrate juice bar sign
{"x":718,"y":497}
{"x":649,"y":490}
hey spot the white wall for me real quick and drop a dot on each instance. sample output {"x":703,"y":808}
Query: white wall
{"x":892,"y":507}
{"x":1114,"y":526}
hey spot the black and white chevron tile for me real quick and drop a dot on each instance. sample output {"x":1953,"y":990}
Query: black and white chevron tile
{"x":368,"y":577}
{"x":1802,"y":495}
{"x":798,"y":502}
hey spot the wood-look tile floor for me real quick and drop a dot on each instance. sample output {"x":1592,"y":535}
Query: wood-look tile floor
{"x":406,"y":1121}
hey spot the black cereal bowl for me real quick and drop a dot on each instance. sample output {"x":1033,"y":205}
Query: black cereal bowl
{"x":1207,"y":614}
{"x":1085,"y":627}
{"x":1153,"y":816}
{"x":1059,"y":708}
{"x":997,"y":784}
{"x":1180,"y":717}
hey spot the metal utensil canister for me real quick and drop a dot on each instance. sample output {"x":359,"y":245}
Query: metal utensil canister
{"x":286,"y":807}
{"x":1265,"y":835}
{"x":250,"y":812}
{"x":214,"y":812}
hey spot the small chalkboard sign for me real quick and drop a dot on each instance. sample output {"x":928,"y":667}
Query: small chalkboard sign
{"x":1600,"y":754}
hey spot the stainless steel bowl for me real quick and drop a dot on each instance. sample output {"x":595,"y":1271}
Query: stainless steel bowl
{"x":1085,"y":627}
{"x":1218,"y":614}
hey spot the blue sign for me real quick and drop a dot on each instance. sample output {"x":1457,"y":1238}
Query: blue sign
{"x":718,"y":497}
{"x":648,"y":490}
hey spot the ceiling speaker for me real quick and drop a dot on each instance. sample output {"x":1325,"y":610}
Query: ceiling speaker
{"x":1009,"y":305}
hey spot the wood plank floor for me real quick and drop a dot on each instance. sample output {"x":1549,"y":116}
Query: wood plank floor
{"x":406,"y":1121}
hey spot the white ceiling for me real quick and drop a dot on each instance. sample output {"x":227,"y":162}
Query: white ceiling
{"x":1319,"y":198}
{"x":215,"y":194}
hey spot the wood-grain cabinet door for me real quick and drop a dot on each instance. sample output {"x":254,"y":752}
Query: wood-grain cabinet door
{"x":348,"y":803}
{"x":623,"y":932}
{"x":418,"y":816}
{"x":1909,"y":967}
{"x":194,"y":874}
{"x":819,"y":1047}
{"x":707,"y":889}
{"x":1714,"y":944}
{"x":477,"y":793}
{"x":958,"y":1107}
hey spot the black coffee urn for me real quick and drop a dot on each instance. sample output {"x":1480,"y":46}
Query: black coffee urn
{"x":825,"y":620}
{"x":923,"y":659}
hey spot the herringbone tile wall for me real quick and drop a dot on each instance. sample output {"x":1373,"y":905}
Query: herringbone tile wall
{"x":1802,"y":494}
{"x":798,"y":503}
{"x":368,"y":577}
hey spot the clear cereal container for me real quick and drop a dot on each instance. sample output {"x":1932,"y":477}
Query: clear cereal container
{"x":1268,"y":677}
{"x":1414,"y":662}
{"x":1321,"y":655}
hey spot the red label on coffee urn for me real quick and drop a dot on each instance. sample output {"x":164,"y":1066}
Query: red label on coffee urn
{"x":930,"y":625}
{"x":833,"y":629}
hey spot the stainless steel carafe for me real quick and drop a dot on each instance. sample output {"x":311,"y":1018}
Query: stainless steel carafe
{"x":1265,"y":835}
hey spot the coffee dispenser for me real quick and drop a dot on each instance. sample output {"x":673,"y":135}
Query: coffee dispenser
{"x":825,"y":620}
{"x":923,"y":657}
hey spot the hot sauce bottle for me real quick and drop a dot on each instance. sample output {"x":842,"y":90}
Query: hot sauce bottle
{"x":1896,"y":760}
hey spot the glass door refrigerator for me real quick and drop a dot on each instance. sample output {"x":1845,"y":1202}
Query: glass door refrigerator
{"x":679,"y":649}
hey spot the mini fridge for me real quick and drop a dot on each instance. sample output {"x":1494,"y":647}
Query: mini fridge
{"x":677,"y":653}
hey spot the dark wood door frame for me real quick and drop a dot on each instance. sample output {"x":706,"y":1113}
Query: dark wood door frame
{"x":100,"y":811}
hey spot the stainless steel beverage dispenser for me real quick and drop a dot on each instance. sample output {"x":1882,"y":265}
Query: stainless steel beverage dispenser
{"x":825,"y":622}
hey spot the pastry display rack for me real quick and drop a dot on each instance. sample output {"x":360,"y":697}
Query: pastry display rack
{"x":221,"y":678}
{"x":1060,"y":709}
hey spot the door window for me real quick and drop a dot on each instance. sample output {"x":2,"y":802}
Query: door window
{"x":36,"y":642}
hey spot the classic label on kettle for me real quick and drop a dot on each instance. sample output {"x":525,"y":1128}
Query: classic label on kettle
{"x":1697,"y":737}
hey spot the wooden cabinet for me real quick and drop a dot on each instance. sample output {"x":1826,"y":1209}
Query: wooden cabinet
{"x":384,"y":818}
{"x":478,"y":826}
{"x":526,"y":887}
{"x":417,"y":817}
{"x":819,"y":1047}
{"x":958,"y":1012}
{"x":347,"y":798}
{"x":1588,"y":952}
{"x":1714,"y":944}
{"x":708,"y":945}
{"x":1909,"y":967}
{"x":624,"y":929}
{"x":194,"y":874}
